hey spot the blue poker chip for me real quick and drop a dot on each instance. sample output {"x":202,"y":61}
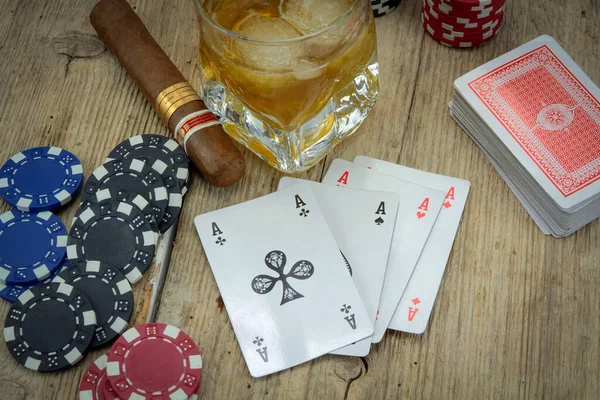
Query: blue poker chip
{"x":10,"y":293}
{"x":40,"y":179}
{"x":32,"y":246}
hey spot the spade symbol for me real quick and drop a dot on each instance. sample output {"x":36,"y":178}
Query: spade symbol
{"x":379,"y":221}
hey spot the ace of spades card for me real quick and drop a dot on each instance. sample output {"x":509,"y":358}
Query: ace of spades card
{"x":283,"y":280}
{"x":418,"y":210}
{"x":362,"y":223}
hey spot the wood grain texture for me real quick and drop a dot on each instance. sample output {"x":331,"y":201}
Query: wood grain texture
{"x":518,"y":313}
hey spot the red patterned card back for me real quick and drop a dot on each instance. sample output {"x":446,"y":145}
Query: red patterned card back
{"x":549,"y":113}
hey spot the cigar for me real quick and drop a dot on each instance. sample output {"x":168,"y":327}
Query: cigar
{"x":197,"y":130}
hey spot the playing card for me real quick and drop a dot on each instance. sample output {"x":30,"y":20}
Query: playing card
{"x":417,"y":211}
{"x":362,"y":223}
{"x":416,"y":304}
{"x":546,"y":111}
{"x":283,"y":280}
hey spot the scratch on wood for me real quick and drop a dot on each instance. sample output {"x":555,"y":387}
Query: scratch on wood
{"x":412,"y":98}
{"x":76,"y":45}
{"x":220,"y":303}
{"x":350,"y":383}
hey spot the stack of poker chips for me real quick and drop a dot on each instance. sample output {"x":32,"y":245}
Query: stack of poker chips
{"x":462,"y":23}
{"x":383,"y":7}
{"x":85,"y":276}
{"x":32,"y":239}
{"x":134,"y":368}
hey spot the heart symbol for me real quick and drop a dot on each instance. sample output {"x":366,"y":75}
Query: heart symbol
{"x":420,"y":214}
{"x":447,"y":204}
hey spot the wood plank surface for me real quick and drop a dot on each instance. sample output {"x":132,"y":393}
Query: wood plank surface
{"x":518,"y":313}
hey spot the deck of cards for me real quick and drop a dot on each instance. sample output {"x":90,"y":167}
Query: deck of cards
{"x":536,"y":116}
{"x":327,"y":268}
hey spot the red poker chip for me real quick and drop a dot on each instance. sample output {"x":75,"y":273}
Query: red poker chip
{"x":92,"y":383}
{"x":109,"y":392}
{"x":451,"y":32}
{"x":154,"y":362}
{"x":464,"y":18}
{"x":452,"y":7}
{"x":462,"y":25}
{"x":461,"y":30}
{"x":473,"y":3}
{"x":459,"y":42}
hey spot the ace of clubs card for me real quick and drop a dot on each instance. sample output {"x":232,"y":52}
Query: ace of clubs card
{"x":283,"y":280}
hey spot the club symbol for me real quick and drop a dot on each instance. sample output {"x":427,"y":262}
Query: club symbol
{"x":220,"y":241}
{"x":304,"y":212}
{"x":276,"y":261}
{"x":379,"y":221}
{"x":258,"y":341}
{"x":346,"y":308}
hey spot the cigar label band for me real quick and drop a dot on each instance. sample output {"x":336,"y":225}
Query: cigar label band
{"x":178,"y":104}
{"x":167,"y":91}
{"x":193,"y":123}
{"x":172,"y":98}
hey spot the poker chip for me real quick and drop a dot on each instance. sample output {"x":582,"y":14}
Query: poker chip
{"x":10,"y":293}
{"x":109,"y":391}
{"x":173,"y":209}
{"x":32,"y":246}
{"x":164,"y":155}
{"x":154,"y":361}
{"x":461,"y":41}
{"x":462,"y":23}
{"x":92,"y":383}
{"x":383,"y":7}
{"x":126,"y":179}
{"x":115,"y":233}
{"x":109,"y":293}
{"x":40,"y":179}
{"x":168,"y":159}
{"x":110,"y":394}
{"x":104,"y":195}
{"x":49,"y":327}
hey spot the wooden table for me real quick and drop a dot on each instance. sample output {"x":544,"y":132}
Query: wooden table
{"x":518,"y":313}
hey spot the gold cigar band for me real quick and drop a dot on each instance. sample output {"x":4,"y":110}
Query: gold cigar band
{"x":170,"y":100}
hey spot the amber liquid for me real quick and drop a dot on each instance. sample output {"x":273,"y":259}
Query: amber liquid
{"x":285,"y":96}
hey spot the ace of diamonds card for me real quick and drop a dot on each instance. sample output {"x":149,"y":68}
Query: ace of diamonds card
{"x":283,"y":280}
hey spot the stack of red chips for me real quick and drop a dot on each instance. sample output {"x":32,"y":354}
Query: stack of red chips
{"x":462,"y":23}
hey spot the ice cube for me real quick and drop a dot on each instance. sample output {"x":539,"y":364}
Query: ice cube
{"x":309,"y":16}
{"x":266,"y":55}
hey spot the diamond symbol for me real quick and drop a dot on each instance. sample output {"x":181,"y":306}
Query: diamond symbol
{"x":447,"y":204}
{"x":416,"y":301}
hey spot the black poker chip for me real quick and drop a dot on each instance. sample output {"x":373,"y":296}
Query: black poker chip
{"x":173,"y":209}
{"x":127,"y":179}
{"x":108,"y":194}
{"x":49,"y":327}
{"x":109,"y":293}
{"x":383,"y":7}
{"x":116,"y":233}
{"x":164,"y":155}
